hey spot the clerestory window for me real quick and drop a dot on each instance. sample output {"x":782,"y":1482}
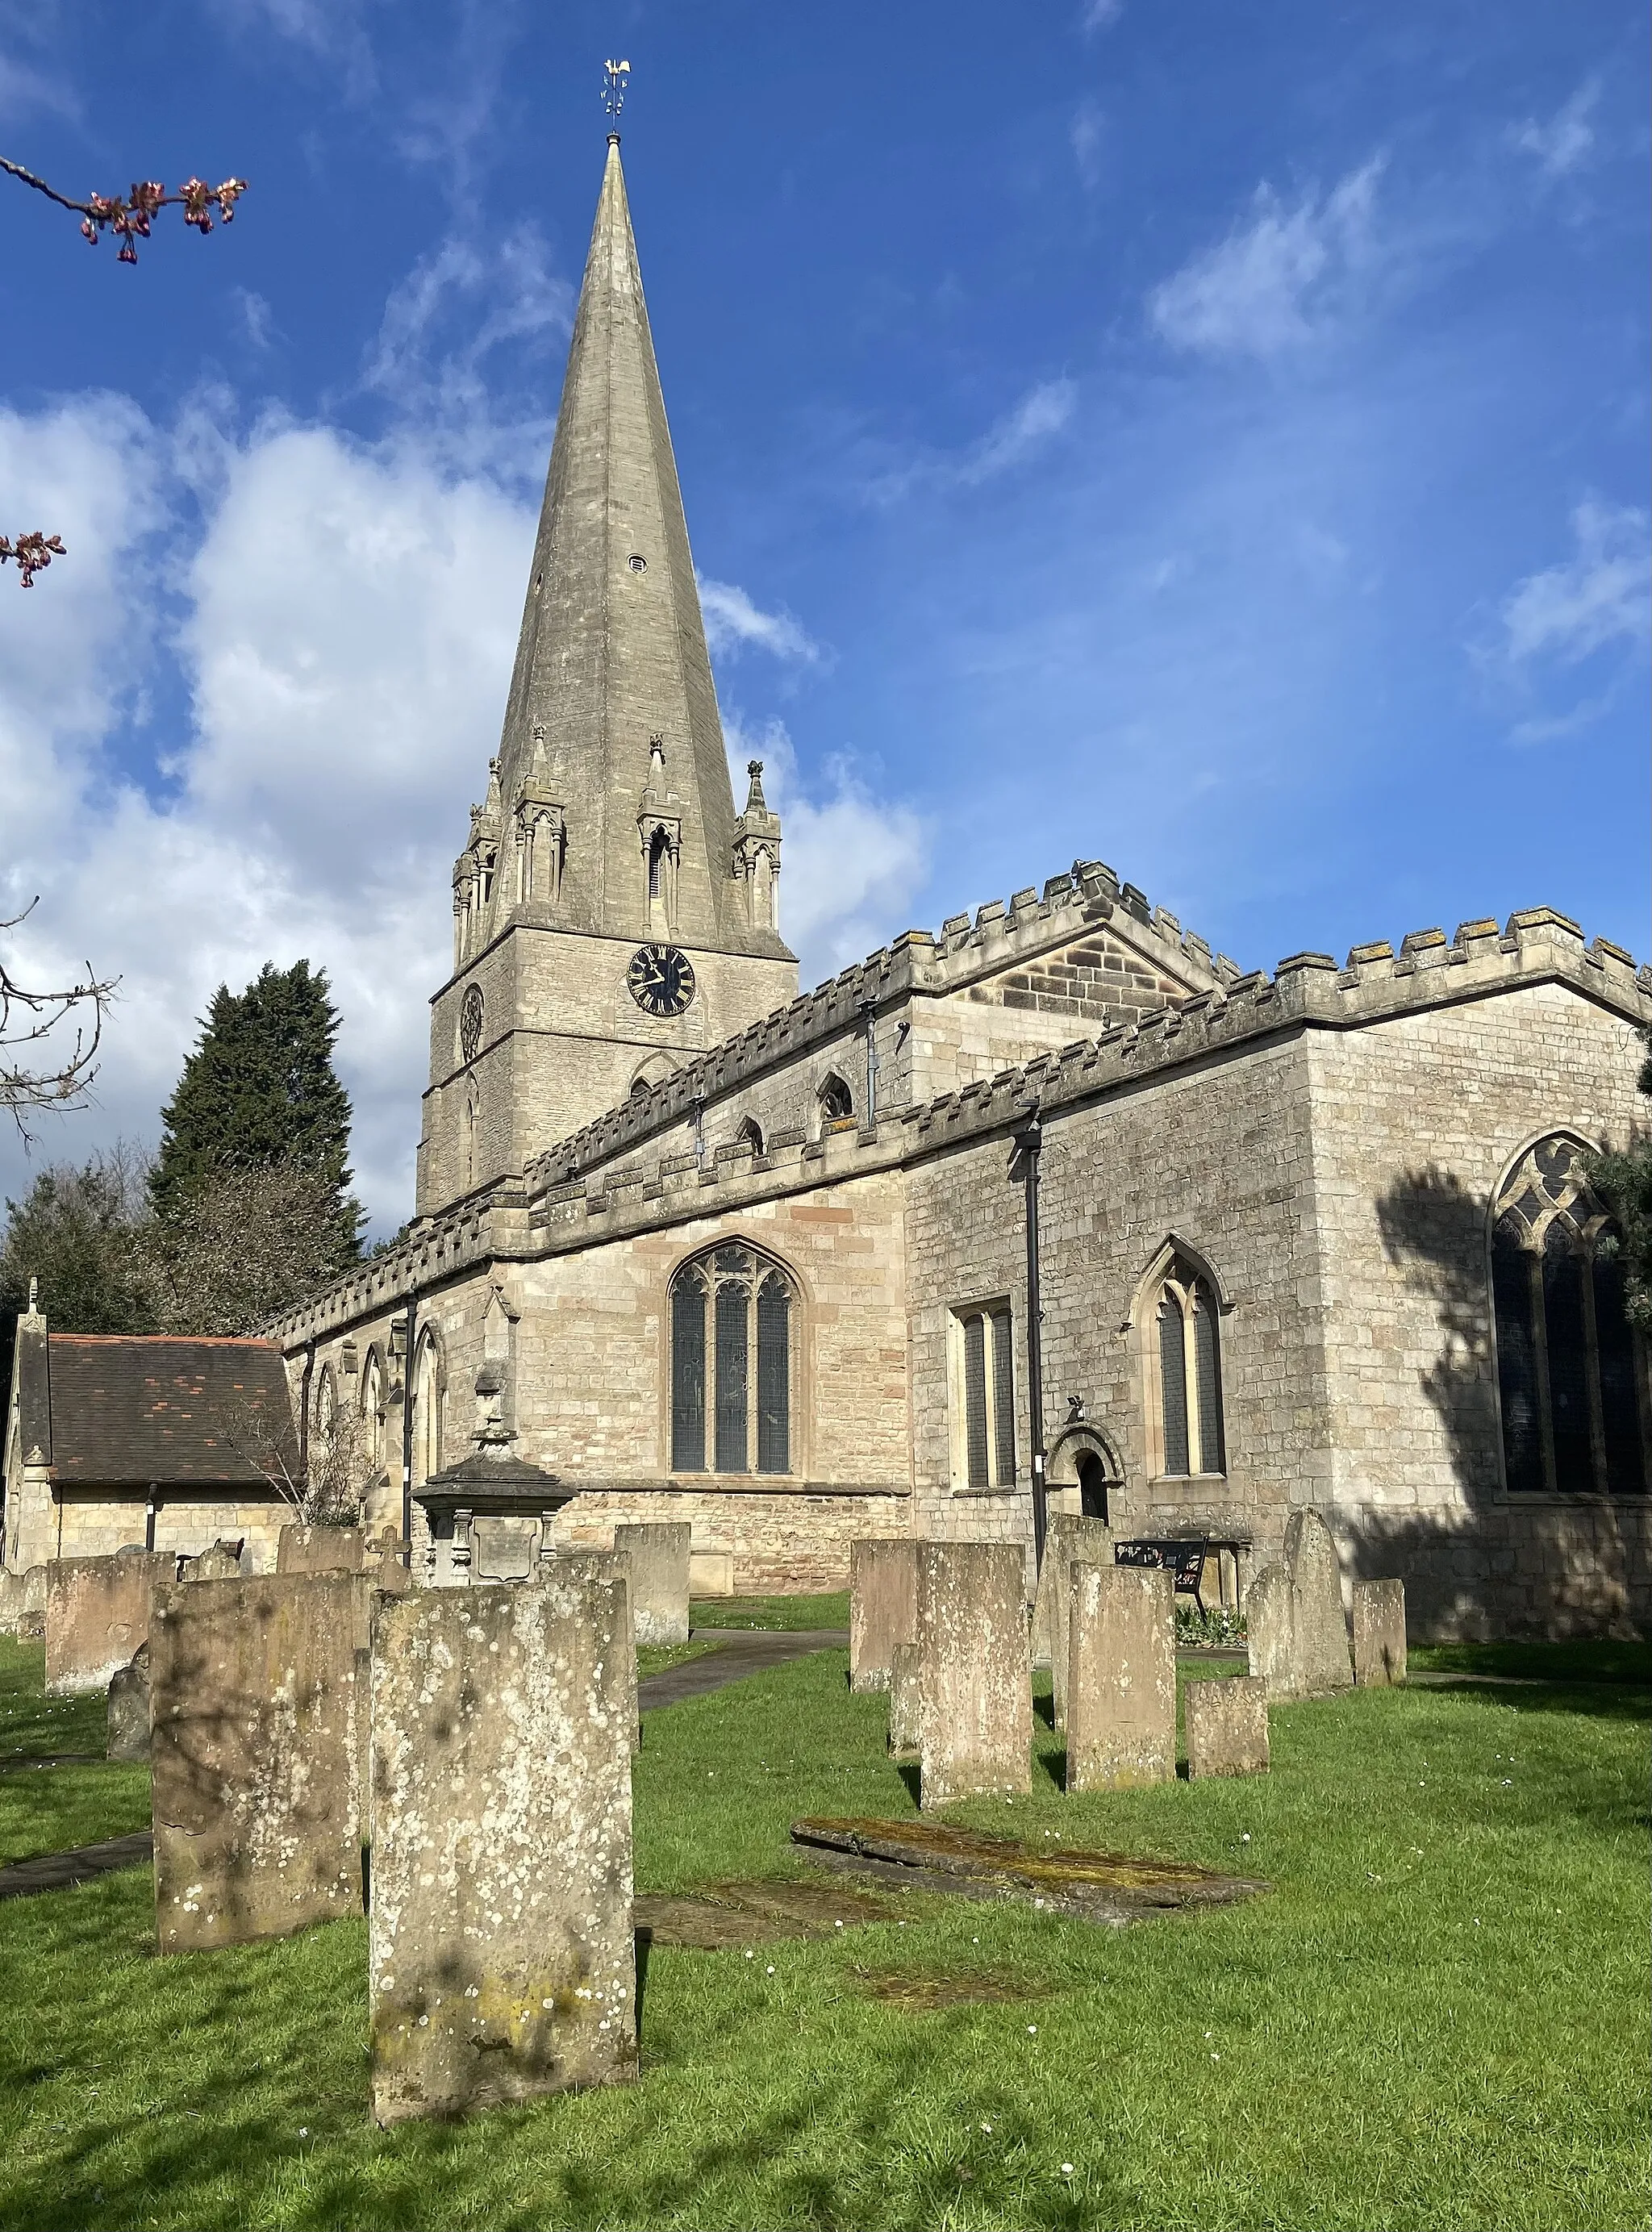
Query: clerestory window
{"x":734,"y":1315}
{"x":1570,"y":1369}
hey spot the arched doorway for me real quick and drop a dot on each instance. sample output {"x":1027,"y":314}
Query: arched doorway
{"x":1084,"y":1473}
{"x":1092,"y":1485}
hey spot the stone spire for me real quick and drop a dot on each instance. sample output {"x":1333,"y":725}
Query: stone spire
{"x":612,"y":682}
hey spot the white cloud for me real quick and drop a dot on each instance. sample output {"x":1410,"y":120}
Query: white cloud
{"x":732,"y":621}
{"x":1100,"y":15}
{"x":1085,"y":136}
{"x":849,"y":862}
{"x":257,"y":316}
{"x":1597,"y":598}
{"x":1042,"y":412}
{"x":1567,"y":140}
{"x":1278,"y":278}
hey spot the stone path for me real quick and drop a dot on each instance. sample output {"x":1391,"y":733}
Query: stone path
{"x":21,"y":1765}
{"x":58,"y":1871}
{"x":740,"y":1651}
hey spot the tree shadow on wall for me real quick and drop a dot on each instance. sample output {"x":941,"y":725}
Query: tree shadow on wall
{"x":1500,"y":1567}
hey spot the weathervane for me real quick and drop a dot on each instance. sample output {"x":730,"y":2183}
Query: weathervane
{"x":614,"y":90}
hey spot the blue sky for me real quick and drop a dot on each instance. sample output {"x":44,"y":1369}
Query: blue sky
{"x":1210,"y":438}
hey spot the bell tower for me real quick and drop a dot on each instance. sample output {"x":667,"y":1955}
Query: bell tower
{"x":611,"y":918}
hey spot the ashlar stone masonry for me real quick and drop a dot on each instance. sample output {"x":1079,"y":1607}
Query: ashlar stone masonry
{"x":501,"y":1952}
{"x":974,"y":1676}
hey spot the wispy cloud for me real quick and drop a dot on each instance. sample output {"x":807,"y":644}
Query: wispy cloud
{"x":1565,"y":143}
{"x":733,"y":623}
{"x":1597,"y":598}
{"x":257,"y":316}
{"x":1099,"y":16}
{"x":1279,"y":278}
{"x":1042,"y":414}
{"x":1085,"y":136}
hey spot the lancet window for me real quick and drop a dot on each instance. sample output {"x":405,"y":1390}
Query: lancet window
{"x":1571,"y":1369}
{"x":984,"y":1382}
{"x":1185,"y":1374}
{"x":837,"y":1105}
{"x":733,"y":1321}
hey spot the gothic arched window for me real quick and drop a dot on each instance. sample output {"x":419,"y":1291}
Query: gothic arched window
{"x":1187,"y":1375}
{"x":373,"y":1411}
{"x":750,"y":1134}
{"x":1570,"y":1373}
{"x":836,"y":1103}
{"x":733,"y":1362}
{"x":428,"y":1394}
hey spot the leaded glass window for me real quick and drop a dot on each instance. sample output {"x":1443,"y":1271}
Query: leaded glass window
{"x":986,"y":1370}
{"x":750,"y":1302}
{"x":1191,"y":1436}
{"x":1571,"y":1369}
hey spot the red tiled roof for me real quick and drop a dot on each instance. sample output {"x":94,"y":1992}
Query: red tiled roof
{"x":130,"y":1408}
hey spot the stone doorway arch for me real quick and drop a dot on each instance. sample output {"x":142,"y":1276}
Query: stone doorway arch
{"x":1085,"y":1475}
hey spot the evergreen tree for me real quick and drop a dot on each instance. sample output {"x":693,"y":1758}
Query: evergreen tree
{"x":260,"y":1089}
{"x":79,"y":1233}
{"x":1623,"y":1182}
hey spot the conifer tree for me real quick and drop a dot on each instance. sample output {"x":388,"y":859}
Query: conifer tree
{"x":258,"y":1090}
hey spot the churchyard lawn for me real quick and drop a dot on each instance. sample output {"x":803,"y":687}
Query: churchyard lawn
{"x":1438,"y":2015}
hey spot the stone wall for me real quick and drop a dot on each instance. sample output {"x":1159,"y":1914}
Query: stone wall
{"x":85,"y":1524}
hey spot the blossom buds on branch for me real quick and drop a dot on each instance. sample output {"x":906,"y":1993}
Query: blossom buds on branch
{"x":129,"y":216}
{"x":34,"y":552}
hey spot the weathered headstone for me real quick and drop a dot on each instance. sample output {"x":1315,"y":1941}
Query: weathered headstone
{"x":1121,"y":1676}
{"x":883,"y":1606}
{"x":1379,"y":1633}
{"x":221,"y":1563}
{"x":1296,"y":1629}
{"x":97,"y":1614}
{"x":905,"y":1698}
{"x":974,"y":1676}
{"x":22,"y":1601}
{"x":500,"y":1954}
{"x":565,"y":1564}
{"x":127,"y":1737}
{"x":1070,"y":1536}
{"x":1226,"y":1727}
{"x":254,"y":1754}
{"x":659,"y":1579}
{"x":301,"y":1549}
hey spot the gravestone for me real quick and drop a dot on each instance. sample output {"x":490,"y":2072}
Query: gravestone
{"x":23,"y":1601}
{"x":1070,"y":1536}
{"x":711,"y":1573}
{"x":1226,"y":1727}
{"x":975,"y":1675}
{"x":905,"y":1694}
{"x":558,"y":1563}
{"x":221,"y":1563}
{"x":659,"y":1579}
{"x":255,"y":1728}
{"x":1296,"y":1630}
{"x":1121,"y":1676}
{"x":127,"y":1735}
{"x":97,"y":1615}
{"x":301,"y":1549}
{"x":883,"y":1606}
{"x":1379,"y":1633}
{"x":502,"y":1963}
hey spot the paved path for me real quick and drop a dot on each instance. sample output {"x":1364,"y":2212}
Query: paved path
{"x":57,"y":1871}
{"x":740,"y":1651}
{"x":21,"y":1763}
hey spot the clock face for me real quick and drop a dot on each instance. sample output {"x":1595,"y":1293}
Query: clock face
{"x":661,"y":978}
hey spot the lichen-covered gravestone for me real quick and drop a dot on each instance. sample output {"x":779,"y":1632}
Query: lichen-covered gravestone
{"x":127,"y":1735}
{"x":906,"y":1696}
{"x":23,"y":1601}
{"x":320,"y":1549}
{"x":221,"y":1562}
{"x":883,"y":1606}
{"x":974,"y":1676}
{"x":1296,"y":1629}
{"x":501,"y":1962}
{"x":254,"y":1736}
{"x":97,"y":1615}
{"x":1070,"y":1536}
{"x":1226,"y":1725}
{"x":1121,"y":1676}
{"x":659,"y":1579}
{"x":1379,"y":1633}
{"x":603,"y":1565}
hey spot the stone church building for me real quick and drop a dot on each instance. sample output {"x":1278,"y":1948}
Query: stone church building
{"x":690,"y":1245}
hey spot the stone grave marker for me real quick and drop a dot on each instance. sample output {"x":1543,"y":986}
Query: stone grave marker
{"x":1269,"y":1630}
{"x":128,"y":1738}
{"x":883,"y":1606}
{"x":1379,"y":1633}
{"x":1226,"y":1726}
{"x":220,"y":1563}
{"x":659,"y":1579}
{"x":501,"y":1964}
{"x":97,"y":1615}
{"x":975,"y":1674}
{"x":254,"y":1755}
{"x":1069,"y":1536}
{"x":558,"y":1562}
{"x":905,"y":1718}
{"x":1121,"y":1676}
{"x":1296,"y":1629}
{"x":320,"y":1549}
{"x":23,"y":1601}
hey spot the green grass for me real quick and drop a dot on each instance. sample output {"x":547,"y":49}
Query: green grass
{"x":1543,"y":1662}
{"x":656,"y":1658}
{"x":788,"y":1613}
{"x":1438,"y":2016}
{"x":53,"y":1809}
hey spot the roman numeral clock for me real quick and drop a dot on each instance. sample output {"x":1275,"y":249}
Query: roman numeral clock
{"x":661,"y":979}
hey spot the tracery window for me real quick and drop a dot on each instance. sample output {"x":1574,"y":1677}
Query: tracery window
{"x":984,"y":1432}
{"x":1187,"y":1372}
{"x":1571,"y":1373}
{"x":733,"y":1362}
{"x":837,"y":1105}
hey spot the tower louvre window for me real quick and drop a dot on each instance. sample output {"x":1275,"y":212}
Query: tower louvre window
{"x":754,"y":1316}
{"x":1571,"y":1368}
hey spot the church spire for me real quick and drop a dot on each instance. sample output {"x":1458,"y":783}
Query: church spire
{"x":612,"y":677}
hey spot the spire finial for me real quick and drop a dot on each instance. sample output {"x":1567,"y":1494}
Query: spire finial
{"x":613,"y":94}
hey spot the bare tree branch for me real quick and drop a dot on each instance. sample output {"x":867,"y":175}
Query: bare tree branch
{"x":28,"y":1017}
{"x":129,"y":216}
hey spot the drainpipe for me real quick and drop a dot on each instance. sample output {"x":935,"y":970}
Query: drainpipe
{"x":304,"y":1416}
{"x":1027,"y":1143}
{"x":149,"y":1510}
{"x":869,"y":1009}
{"x":407,"y":1425}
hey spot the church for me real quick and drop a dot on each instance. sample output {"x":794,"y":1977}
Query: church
{"x":1052,"y":1207}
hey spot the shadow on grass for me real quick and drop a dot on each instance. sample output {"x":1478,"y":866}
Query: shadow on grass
{"x":1600,"y":1701}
